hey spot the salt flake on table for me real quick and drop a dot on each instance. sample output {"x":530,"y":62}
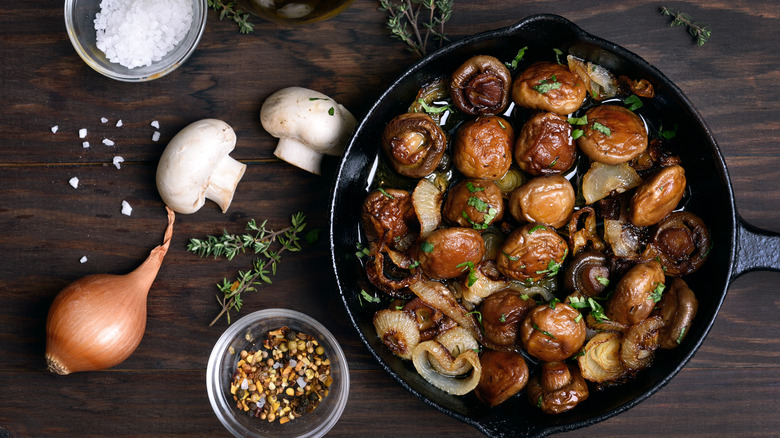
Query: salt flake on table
{"x":156,"y":136}
{"x":74,"y":182}
{"x":127,"y":210}
{"x":103,"y":120}
{"x":118,"y":160}
{"x":54,"y":129}
{"x":119,"y":123}
{"x":108,"y":142}
{"x":83,"y":259}
{"x":82,"y":133}
{"x":156,"y":124}
{"x":85,"y":144}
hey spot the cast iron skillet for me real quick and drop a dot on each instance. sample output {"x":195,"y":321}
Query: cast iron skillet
{"x":738,"y":247}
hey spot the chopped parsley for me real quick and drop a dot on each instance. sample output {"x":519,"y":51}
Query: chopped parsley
{"x":658,"y":292}
{"x":474,"y":189}
{"x":432,"y":109}
{"x":633,"y":102}
{"x":545,"y":86}
{"x":331,"y":111}
{"x":361,"y":251}
{"x":682,"y":335}
{"x":426,"y":247}
{"x":604,"y":281}
{"x":368,"y":297}
{"x":480,"y":205}
{"x":384,"y":192}
{"x":535,"y":228}
{"x":472,"y":277}
{"x":512,"y":258}
{"x":601,"y":128}
{"x":536,"y":327}
{"x":668,"y":134}
{"x":503,"y":319}
{"x":558,"y":54}
{"x":518,"y":57}
{"x":553,"y":302}
{"x":597,"y":311}
{"x":578,"y":318}
{"x":577,"y":133}
{"x":578,"y":120}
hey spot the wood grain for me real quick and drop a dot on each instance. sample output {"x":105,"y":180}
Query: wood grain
{"x":730,"y":388}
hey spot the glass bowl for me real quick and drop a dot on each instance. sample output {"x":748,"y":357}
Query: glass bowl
{"x":251,"y":330}
{"x":79,"y":22}
{"x":295,"y":12}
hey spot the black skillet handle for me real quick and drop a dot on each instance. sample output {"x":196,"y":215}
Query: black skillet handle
{"x":757,"y":249}
{"x":499,"y":427}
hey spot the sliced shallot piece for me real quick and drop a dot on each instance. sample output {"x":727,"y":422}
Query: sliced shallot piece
{"x":398,"y":330}
{"x":427,"y":199}
{"x":487,"y":281}
{"x":603,"y":180}
{"x":600,"y":359}
{"x":439,"y":297}
{"x":456,"y":340}
{"x":432,"y":351}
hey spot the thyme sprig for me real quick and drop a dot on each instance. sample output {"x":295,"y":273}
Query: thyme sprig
{"x":425,"y":17}
{"x":229,"y":11}
{"x":258,"y":239}
{"x":699,"y":31}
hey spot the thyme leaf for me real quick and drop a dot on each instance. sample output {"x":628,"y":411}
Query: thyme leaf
{"x":228,"y":10}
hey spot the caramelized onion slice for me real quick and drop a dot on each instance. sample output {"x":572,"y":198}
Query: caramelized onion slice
{"x":600,"y":81}
{"x":398,"y":331}
{"x":457,"y":341}
{"x":486,"y":281}
{"x":429,"y":352}
{"x":439,"y":297}
{"x":427,"y":199}
{"x":600,"y":359}
{"x":603,"y":180}
{"x":582,"y":231}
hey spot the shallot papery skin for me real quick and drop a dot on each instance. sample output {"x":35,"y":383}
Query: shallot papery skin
{"x":97,"y":321}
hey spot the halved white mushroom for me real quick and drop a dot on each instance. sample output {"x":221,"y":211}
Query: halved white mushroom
{"x":195,"y":166}
{"x":308,"y":125}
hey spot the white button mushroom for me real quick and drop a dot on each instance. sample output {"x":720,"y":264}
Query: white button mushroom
{"x":195,"y":166}
{"x":308,"y":125}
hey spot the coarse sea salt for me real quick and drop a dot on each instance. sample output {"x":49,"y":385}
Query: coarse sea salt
{"x":127,"y":210}
{"x":136,"y":33}
{"x":85,"y":144}
{"x":54,"y":129}
{"x":108,"y":142}
{"x":82,"y":133}
{"x":83,"y":259}
{"x":119,"y":123}
{"x":156,"y":136}
{"x":118,"y":160}
{"x":74,"y":182}
{"x":155,"y":124}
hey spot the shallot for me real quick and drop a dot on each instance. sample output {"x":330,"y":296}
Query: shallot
{"x":98,"y":321}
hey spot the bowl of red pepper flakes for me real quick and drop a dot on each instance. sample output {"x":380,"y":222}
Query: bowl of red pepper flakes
{"x":280,"y":373}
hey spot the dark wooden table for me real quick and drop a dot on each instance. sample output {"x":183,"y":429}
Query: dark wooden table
{"x":730,"y":388}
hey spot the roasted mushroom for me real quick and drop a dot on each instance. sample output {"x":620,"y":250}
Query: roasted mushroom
{"x":544,"y":145}
{"x":547,"y":199}
{"x":548,"y":86}
{"x":681,"y":242}
{"x":474,"y":203}
{"x":502,"y":314}
{"x":613,"y":135}
{"x":483,"y":147}
{"x":677,"y":309}
{"x":388,"y":217}
{"x":640,"y":341}
{"x":481,"y":86}
{"x":557,"y":388}
{"x":532,"y":252}
{"x":553,"y":332}
{"x":447,"y":252}
{"x":504,"y":374}
{"x":414,"y":144}
{"x":657,"y":196}
{"x":588,"y":273}
{"x":582,"y":231}
{"x":637,"y":293}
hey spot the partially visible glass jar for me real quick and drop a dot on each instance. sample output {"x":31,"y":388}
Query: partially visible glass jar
{"x":294,"y":11}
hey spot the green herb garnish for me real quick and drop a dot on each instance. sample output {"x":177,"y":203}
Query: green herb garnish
{"x":368,"y":297}
{"x":433,"y":109}
{"x":426,"y":247}
{"x":577,"y":133}
{"x":520,"y":53}
{"x":226,"y":10}
{"x":601,"y":128}
{"x":701,"y":32}
{"x":658,"y":292}
{"x":384,"y":192}
{"x":633,"y":102}
{"x":258,"y":239}
{"x":473,"y":189}
{"x":536,"y":228}
{"x":472,"y":277}
{"x":668,"y":134}
{"x":536,"y":327}
{"x":682,"y":334}
{"x":604,"y":281}
{"x":545,"y":86}
{"x":425,"y":17}
{"x":578,"y":120}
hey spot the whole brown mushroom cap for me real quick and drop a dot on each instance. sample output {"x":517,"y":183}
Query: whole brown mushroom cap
{"x":481,"y":86}
{"x":614,"y":135}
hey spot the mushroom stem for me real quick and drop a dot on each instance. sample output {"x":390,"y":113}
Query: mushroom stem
{"x":299,"y":154}
{"x":223,"y":182}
